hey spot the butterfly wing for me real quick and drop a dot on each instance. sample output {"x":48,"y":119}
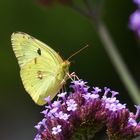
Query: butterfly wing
{"x":40,"y":79}
{"x":27,"y":48}
{"x":39,"y":65}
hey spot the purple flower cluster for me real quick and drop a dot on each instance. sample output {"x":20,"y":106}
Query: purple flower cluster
{"x":84,"y":112}
{"x":134,"y":22}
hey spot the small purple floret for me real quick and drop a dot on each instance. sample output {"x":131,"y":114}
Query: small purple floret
{"x":137,"y":2}
{"x":135,"y":22}
{"x":56,"y":130}
{"x":71,"y":105}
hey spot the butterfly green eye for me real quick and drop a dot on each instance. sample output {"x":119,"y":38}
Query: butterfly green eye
{"x":65,"y":64}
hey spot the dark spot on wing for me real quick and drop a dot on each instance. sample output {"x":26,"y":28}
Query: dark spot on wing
{"x":35,"y":60}
{"x":39,"y":51}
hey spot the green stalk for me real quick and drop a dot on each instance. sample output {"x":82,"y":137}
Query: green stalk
{"x":94,"y":15}
{"x":118,"y":63}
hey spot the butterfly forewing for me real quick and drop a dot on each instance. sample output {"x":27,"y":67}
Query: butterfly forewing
{"x":27,"y":48}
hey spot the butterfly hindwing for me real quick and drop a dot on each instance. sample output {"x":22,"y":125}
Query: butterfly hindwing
{"x":40,"y":79}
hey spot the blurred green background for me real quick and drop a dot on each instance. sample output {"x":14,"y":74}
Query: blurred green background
{"x":65,"y":31}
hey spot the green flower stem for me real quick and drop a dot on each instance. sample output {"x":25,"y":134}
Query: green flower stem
{"x":94,"y":15}
{"x":118,"y":63}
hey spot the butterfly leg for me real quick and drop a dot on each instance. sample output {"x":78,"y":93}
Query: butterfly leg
{"x":63,"y":82}
{"x":63,"y":87}
{"x":73,"y":76}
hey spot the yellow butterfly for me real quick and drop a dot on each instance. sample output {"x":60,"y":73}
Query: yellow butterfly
{"x":42,"y":70}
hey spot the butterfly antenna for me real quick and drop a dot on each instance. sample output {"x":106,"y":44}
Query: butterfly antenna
{"x":78,"y":52}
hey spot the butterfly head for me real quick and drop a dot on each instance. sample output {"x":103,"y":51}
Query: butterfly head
{"x":63,"y":70}
{"x":66,"y":65}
